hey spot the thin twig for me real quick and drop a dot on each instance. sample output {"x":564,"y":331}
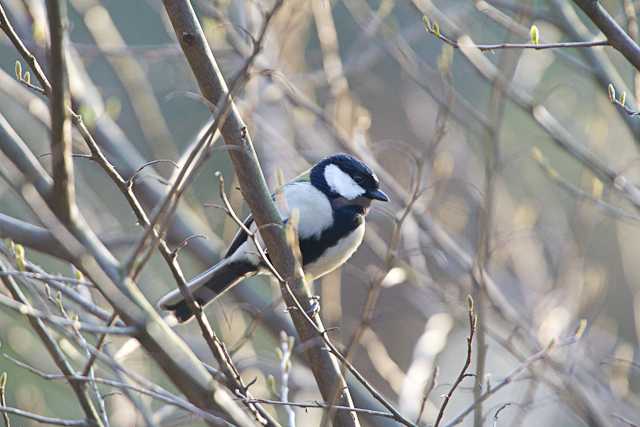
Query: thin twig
{"x":323,"y":405}
{"x":433,"y":381}
{"x":433,"y":29}
{"x":101,"y":341}
{"x":463,"y":372}
{"x":29,"y":311}
{"x":3,"y":398}
{"x":505,"y":381}
{"x":44,"y":420}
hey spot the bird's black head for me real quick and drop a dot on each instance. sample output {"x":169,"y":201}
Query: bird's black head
{"x":342,"y":176}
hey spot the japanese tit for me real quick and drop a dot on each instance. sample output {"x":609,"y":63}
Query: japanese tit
{"x":332,"y":199}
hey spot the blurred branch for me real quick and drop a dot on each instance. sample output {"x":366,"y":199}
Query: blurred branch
{"x":433,"y":381}
{"x":492,"y":165}
{"x":550,"y":124}
{"x":257,"y":195}
{"x":32,"y":236}
{"x":131,"y":74}
{"x":3,"y":398}
{"x":607,"y":208}
{"x":605,"y":72}
{"x":64,"y":204}
{"x":284,"y":353}
{"x":633,"y":30}
{"x":377,"y":284}
{"x":615,"y":34}
{"x":45,"y":420}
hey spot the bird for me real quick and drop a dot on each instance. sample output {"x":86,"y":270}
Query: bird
{"x":332,"y":200}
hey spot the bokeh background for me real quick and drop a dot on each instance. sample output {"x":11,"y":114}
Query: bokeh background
{"x":561,"y":244}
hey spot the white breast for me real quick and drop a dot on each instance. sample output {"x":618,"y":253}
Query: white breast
{"x":336,"y":255}
{"x":316,"y":213}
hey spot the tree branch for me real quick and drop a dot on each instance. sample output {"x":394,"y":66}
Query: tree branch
{"x":616,"y":35}
{"x":32,"y":236}
{"x":44,"y":420}
{"x":63,"y":185}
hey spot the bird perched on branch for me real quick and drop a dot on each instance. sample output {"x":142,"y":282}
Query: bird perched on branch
{"x":332,"y":200}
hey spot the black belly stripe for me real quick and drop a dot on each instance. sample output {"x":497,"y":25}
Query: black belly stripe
{"x":346,"y":220}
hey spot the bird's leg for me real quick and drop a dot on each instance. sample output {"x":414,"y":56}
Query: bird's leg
{"x":314,"y":305}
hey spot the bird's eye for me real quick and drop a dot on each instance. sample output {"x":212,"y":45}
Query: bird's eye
{"x":359,"y":179}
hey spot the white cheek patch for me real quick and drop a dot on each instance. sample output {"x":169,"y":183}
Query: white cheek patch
{"x":342,"y":183}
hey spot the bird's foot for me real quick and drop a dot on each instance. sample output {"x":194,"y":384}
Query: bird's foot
{"x":314,"y":305}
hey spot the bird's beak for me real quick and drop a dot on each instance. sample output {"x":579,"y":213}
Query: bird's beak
{"x":378,"y":195}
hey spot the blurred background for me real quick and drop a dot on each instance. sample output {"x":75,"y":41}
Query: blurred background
{"x":496,"y":189}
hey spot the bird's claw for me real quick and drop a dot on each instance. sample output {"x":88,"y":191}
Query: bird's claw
{"x":314,"y":305}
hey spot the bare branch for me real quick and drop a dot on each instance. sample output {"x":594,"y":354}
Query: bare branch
{"x":467,"y":362}
{"x":615,"y":34}
{"x":435,"y":31}
{"x":32,"y":236}
{"x":63,"y":182}
{"x":45,"y":420}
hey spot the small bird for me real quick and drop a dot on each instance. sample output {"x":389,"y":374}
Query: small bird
{"x":332,"y":200}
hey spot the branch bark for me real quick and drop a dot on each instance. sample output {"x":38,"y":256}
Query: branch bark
{"x":616,"y":35}
{"x":257,"y":195}
{"x":63,"y":185}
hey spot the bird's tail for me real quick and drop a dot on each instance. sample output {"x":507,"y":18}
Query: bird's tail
{"x":206,"y":287}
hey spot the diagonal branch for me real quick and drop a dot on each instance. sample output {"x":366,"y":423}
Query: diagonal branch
{"x":257,"y":195}
{"x":616,"y":35}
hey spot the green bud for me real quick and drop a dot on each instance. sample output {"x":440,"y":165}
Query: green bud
{"x":18,"y":70}
{"x":271,"y":382}
{"x":427,"y":23}
{"x":435,"y":29}
{"x":534,"y":34}
{"x":612,"y":92}
{"x":21,"y":262}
